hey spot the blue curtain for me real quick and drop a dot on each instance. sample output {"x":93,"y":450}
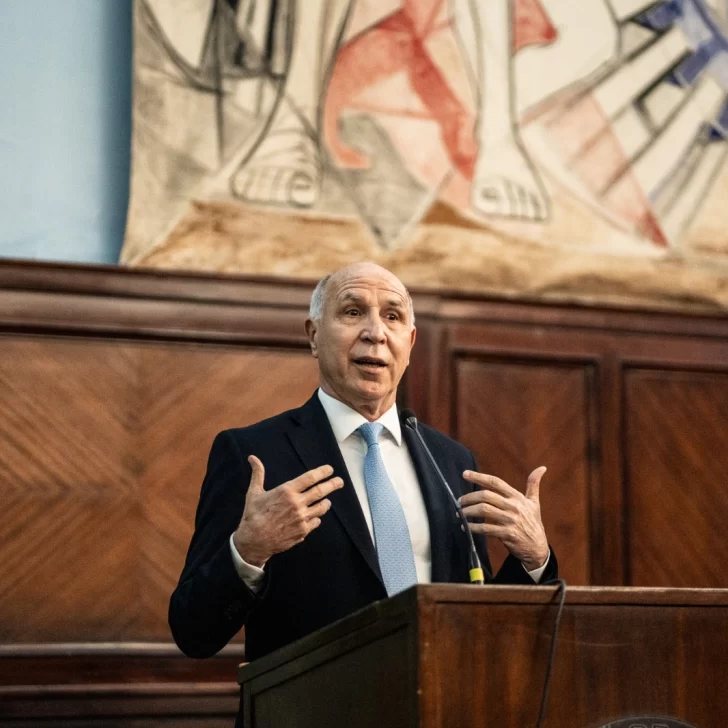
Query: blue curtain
{"x":65,"y":126}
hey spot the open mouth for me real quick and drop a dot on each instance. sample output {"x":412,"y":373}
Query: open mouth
{"x":370,"y":363}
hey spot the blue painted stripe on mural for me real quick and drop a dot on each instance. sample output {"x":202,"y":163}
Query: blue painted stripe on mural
{"x":661,"y":16}
{"x":689,"y":70}
{"x":719,"y":128}
{"x":700,"y":10}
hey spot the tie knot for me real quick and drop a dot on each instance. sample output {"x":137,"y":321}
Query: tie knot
{"x":370,"y":431}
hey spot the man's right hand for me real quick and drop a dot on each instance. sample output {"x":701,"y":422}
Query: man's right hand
{"x":277,"y":519}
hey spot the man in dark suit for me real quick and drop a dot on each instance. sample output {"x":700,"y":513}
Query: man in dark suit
{"x":288,"y":566}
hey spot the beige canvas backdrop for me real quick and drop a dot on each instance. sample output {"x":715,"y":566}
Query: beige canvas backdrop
{"x":567,"y":149}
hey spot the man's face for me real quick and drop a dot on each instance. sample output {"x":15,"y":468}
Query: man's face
{"x":364,"y":338}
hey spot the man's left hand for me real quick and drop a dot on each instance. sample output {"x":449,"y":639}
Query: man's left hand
{"x":509,"y":515}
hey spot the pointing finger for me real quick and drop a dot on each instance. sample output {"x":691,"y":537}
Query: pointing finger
{"x":305,"y":481}
{"x":485,"y":496}
{"x":533,"y":483}
{"x":312,"y":524}
{"x":489,"y":514}
{"x":258,"y":475}
{"x":489,"y":529}
{"x":489,"y":482}
{"x":319,"y":510}
{"x":317,"y":492}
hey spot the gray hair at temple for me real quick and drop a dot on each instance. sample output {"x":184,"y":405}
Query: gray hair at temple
{"x":316,"y":307}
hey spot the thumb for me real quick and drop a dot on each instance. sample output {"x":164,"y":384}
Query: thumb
{"x":533,"y":483}
{"x":258,"y":475}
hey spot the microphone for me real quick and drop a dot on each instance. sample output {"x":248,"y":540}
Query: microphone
{"x":407,"y":417}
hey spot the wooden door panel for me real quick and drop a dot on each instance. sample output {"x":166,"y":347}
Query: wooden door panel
{"x":677,"y":460}
{"x":516,"y":417}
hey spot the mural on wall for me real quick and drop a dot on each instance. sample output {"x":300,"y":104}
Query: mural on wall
{"x":568,"y":148}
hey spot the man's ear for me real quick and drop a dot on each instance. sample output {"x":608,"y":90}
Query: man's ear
{"x":413,"y":336}
{"x":312,"y":334}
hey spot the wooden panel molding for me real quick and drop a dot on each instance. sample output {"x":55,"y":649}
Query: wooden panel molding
{"x":123,"y":684}
{"x":516,"y":417}
{"x":676,"y":462}
{"x":113,"y":383}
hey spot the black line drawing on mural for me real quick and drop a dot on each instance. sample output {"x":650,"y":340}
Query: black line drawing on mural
{"x":286,"y":166}
{"x":279,"y":72}
{"x":662,"y":114}
{"x":284,"y":163}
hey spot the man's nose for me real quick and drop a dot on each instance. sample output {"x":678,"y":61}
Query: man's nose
{"x":374,"y":330}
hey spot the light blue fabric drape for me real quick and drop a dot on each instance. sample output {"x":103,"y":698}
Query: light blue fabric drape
{"x":65,"y":120}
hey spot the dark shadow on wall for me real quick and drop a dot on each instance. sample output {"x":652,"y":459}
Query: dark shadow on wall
{"x":116,"y":137}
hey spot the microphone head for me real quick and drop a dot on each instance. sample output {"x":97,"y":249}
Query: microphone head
{"x":407,"y":417}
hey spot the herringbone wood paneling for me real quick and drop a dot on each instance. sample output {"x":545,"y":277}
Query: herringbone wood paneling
{"x":677,"y":460}
{"x":188,"y":395}
{"x":105,"y":430}
{"x":515,"y":417}
{"x":67,"y":490}
{"x":104,"y":446}
{"x":107,"y":422}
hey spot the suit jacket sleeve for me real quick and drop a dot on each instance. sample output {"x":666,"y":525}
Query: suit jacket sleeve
{"x":211,"y":603}
{"x":512,"y":570}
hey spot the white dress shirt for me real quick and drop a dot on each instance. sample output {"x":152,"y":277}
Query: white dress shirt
{"x":398,"y":464}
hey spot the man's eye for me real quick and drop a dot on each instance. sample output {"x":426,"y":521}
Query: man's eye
{"x":393,"y":316}
{"x":352,"y":312}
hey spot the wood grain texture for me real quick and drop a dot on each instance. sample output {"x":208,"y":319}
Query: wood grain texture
{"x":67,"y":490}
{"x":105,"y":448}
{"x":612,"y":662}
{"x":677,"y":463}
{"x":188,"y":395}
{"x":115,"y":684}
{"x":478,"y":657}
{"x":193,"y":705}
{"x":516,"y":417}
{"x":113,"y":383}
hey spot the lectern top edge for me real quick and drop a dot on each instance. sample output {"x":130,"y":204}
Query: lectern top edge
{"x":390,"y":614}
{"x":601,"y":595}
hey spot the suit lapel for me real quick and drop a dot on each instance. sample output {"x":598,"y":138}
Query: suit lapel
{"x":314,"y":441}
{"x":440,"y":510}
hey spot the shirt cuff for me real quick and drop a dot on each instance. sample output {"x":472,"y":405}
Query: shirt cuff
{"x":251,"y":575}
{"x":536,"y":574}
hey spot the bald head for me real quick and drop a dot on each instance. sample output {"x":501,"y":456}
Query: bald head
{"x":361,"y":331}
{"x":366,"y":269}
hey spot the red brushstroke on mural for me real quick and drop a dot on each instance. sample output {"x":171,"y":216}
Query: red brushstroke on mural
{"x":399,"y":44}
{"x":531,"y":25}
{"x":583,"y":134}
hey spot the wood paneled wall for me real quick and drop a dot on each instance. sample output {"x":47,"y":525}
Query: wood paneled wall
{"x":627,"y":409}
{"x":104,"y":449}
{"x":113,"y":383}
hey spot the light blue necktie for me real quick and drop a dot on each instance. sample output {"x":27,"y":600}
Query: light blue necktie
{"x":391,"y":535}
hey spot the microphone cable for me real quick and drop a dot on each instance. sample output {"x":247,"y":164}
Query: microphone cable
{"x":560,"y":590}
{"x":407,"y":416}
{"x":476,"y":570}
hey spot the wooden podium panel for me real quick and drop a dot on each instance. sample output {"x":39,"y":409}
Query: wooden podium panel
{"x":463,"y":656}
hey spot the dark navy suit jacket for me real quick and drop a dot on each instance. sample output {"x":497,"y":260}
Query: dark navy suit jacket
{"x":334,"y":571}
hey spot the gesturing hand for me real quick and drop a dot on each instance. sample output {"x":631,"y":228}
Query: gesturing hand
{"x":277,"y":519}
{"x":509,"y":515}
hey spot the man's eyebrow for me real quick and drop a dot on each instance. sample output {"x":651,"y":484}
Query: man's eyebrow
{"x":353,"y":297}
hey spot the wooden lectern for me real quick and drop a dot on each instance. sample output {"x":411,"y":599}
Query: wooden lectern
{"x":447,"y":656}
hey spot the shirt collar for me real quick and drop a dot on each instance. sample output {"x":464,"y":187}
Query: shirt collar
{"x":344,"y":420}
